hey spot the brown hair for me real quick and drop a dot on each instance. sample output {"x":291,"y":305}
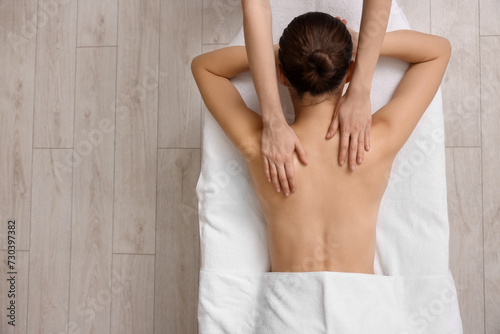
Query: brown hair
{"x":315,"y":53}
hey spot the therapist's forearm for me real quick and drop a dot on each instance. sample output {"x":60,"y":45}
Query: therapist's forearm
{"x":259,"y":45}
{"x":371,"y":34}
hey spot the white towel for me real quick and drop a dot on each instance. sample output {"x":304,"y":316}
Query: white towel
{"x":413,"y":290}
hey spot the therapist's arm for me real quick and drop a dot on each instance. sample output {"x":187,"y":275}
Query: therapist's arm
{"x":278,"y":139}
{"x":353,"y":113}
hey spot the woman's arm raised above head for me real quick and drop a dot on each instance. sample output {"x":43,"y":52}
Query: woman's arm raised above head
{"x":212,"y":72}
{"x":428,"y":56}
{"x":225,"y":62}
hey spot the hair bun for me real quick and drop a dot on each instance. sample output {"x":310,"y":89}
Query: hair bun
{"x":320,"y":61}
{"x":315,"y":53}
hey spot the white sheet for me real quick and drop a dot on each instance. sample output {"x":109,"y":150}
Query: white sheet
{"x":413,"y":291}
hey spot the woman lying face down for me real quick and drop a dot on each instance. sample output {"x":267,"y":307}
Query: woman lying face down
{"x":321,"y":227}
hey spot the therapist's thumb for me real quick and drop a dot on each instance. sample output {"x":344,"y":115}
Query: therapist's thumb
{"x":334,"y":126}
{"x":301,"y":152}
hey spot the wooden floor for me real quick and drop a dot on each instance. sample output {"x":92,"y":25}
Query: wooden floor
{"x":100,"y":153}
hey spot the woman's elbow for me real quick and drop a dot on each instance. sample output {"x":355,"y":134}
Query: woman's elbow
{"x":446,"y":46}
{"x":195,"y":64}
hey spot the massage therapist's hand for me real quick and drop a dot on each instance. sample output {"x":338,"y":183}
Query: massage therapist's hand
{"x":279,"y":142}
{"x":353,"y":117}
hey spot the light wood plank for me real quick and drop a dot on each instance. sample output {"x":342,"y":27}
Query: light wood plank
{"x":136,"y":127}
{"x":179,"y":119}
{"x":50,"y":243}
{"x":177,"y":235}
{"x":489,"y":17}
{"x":132,"y":309}
{"x":466,"y":233}
{"x":418,"y":14}
{"x":460,"y":87}
{"x":92,"y":220}
{"x":55,"y":74}
{"x":490,"y":102}
{"x":222,"y":19}
{"x":21,"y":292}
{"x":17,"y":84}
{"x":97,"y":22}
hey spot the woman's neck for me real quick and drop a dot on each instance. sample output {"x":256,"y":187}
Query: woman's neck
{"x":314,"y":118}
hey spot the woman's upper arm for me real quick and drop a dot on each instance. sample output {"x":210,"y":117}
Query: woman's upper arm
{"x":239,"y":123}
{"x":413,"y":95}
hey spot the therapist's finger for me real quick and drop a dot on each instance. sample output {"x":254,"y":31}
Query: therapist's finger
{"x":344,"y":21}
{"x":353,"y":150}
{"x":334,"y":125}
{"x":283,"y":180}
{"x":367,"y":138}
{"x":290,"y":174}
{"x":344,"y":145}
{"x":265,"y":162}
{"x":301,"y":153}
{"x":361,"y":147}
{"x":274,"y":177}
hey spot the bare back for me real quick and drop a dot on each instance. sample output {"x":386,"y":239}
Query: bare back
{"x":321,"y":227}
{"x":329,"y":222}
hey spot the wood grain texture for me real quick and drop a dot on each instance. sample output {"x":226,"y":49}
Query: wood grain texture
{"x":460,"y":86}
{"x":55,"y":74}
{"x":463,"y":167}
{"x":136,"y":127}
{"x":49,"y":263}
{"x":489,"y":17}
{"x":418,"y":14}
{"x":97,"y":22}
{"x":132,"y":308}
{"x":490,"y":108}
{"x":177,"y":242}
{"x":179,"y":121}
{"x":92,"y":220}
{"x":21,"y":292}
{"x":222,"y":19}
{"x":18,"y":40}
